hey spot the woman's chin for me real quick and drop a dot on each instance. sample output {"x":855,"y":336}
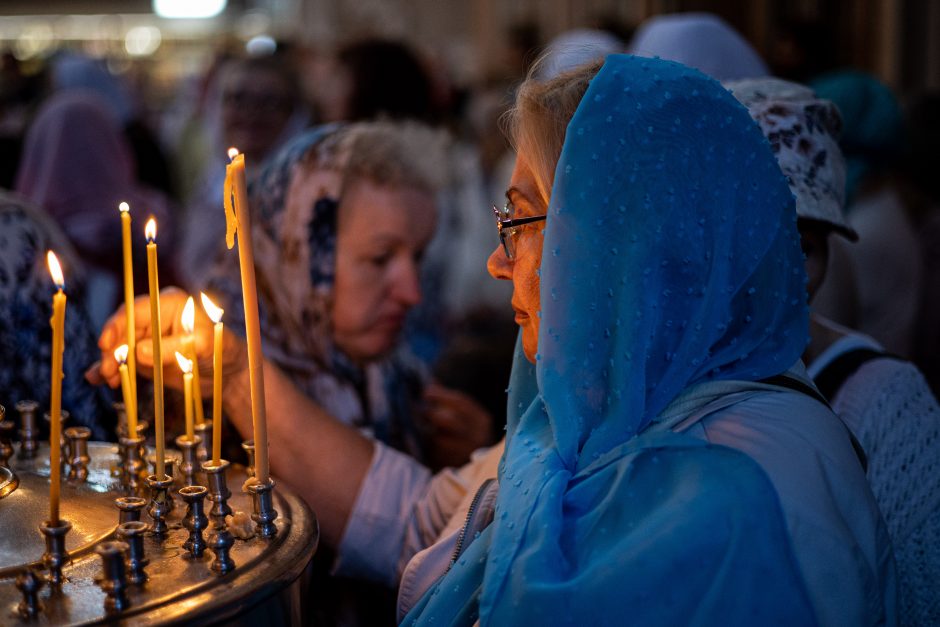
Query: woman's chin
{"x":530,"y":343}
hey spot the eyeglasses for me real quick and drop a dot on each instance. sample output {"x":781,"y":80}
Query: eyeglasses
{"x":509,"y":227}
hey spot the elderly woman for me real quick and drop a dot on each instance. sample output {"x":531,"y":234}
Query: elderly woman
{"x":342,"y":216}
{"x":664,"y":454}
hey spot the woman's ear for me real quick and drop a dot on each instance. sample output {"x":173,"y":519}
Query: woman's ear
{"x":814,"y":240}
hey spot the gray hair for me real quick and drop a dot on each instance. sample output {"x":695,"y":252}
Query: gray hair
{"x":397,"y":154}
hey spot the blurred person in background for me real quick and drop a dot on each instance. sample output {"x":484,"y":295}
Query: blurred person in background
{"x":78,"y":166}
{"x":921,"y":171}
{"x":26,"y":289}
{"x":254,"y":105}
{"x":884,"y":400}
{"x":700,"y":40}
{"x":72,"y":70}
{"x":873,"y":286}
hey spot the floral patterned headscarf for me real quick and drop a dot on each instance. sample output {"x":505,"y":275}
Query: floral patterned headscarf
{"x":295,"y":257}
{"x":803,"y":131}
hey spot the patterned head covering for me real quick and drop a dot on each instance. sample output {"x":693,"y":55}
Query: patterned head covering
{"x":295,"y":257}
{"x":26,"y":233}
{"x":803,"y":131}
{"x":650,"y":282}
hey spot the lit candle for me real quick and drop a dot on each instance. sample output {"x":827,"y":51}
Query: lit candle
{"x":151,"y":232}
{"x":55,"y":404}
{"x":186,"y":366}
{"x":129,"y":400}
{"x":238,"y":221}
{"x":188,"y":320}
{"x":121,"y":353}
{"x":215,"y":314}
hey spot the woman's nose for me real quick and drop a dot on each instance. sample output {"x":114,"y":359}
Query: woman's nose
{"x":498,"y":265}
{"x":407,"y":285}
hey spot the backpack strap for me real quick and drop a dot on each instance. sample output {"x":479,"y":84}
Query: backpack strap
{"x":786,"y":381}
{"x":830,"y":379}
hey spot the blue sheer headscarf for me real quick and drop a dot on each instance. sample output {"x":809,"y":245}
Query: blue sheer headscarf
{"x":670,"y":258}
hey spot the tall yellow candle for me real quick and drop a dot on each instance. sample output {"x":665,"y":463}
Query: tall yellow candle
{"x":187,"y":367}
{"x":55,"y":403}
{"x":188,"y":321}
{"x":121,"y":354}
{"x":215,"y":314}
{"x":129,"y":310}
{"x":151,"y":232}
{"x":237,"y":214}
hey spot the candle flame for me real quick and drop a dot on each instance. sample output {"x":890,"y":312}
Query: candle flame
{"x":55,"y":270}
{"x":120,"y":353}
{"x":214,"y":312}
{"x":189,"y":315}
{"x":232,"y":152}
{"x":186,"y":365}
{"x":150,"y":230}
{"x":124,"y":207}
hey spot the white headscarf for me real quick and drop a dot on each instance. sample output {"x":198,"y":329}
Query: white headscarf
{"x":700,"y":40}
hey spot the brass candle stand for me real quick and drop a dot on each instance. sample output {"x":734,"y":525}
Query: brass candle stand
{"x":143,"y":577}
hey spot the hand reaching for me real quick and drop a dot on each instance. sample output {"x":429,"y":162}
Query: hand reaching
{"x":172,"y":301}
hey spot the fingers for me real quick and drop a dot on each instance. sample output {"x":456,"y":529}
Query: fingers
{"x":114,"y":333}
{"x":169,"y":345}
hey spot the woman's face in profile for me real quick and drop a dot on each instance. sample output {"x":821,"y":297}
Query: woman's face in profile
{"x":523,"y":269}
{"x":382,"y":234}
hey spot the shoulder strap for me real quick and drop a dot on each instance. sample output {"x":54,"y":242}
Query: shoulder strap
{"x":785,"y":381}
{"x":830,"y":379}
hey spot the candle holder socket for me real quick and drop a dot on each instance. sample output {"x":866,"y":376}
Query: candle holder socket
{"x":160,"y":500}
{"x":29,"y":584}
{"x":263,"y":512}
{"x":195,"y":521}
{"x":132,"y":532}
{"x":170,"y":468}
{"x":188,"y":463}
{"x":129,"y":508}
{"x":29,"y":428}
{"x":7,"y":428}
{"x":77,"y":438}
{"x":113,"y":574}
{"x":249,"y":447}
{"x":133,"y":469}
{"x":55,"y":556}
{"x":219,"y":493}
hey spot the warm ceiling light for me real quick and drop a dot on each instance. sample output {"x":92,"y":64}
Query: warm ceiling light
{"x":188,"y":8}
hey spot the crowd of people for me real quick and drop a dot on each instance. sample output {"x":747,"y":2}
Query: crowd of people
{"x":690,"y":378}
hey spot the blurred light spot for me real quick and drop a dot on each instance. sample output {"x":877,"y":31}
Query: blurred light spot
{"x":188,"y":8}
{"x":260,"y":46}
{"x":142,"y":41}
